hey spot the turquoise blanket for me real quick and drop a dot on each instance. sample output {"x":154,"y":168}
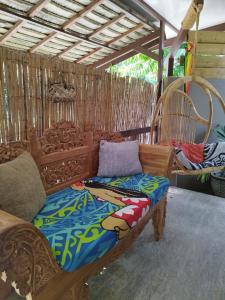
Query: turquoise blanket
{"x":85,"y":221}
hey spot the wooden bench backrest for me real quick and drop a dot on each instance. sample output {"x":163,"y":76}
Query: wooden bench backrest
{"x":65,"y":154}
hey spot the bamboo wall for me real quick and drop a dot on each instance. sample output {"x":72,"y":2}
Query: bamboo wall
{"x":102,"y":100}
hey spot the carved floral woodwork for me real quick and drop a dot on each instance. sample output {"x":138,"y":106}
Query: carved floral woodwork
{"x":62,"y":136}
{"x":63,"y":171}
{"x":12,"y":150}
{"x":99,"y":135}
{"x":66,"y":135}
{"x":26,"y":258}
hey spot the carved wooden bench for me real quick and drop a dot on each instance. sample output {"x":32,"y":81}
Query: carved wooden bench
{"x":26,"y":260}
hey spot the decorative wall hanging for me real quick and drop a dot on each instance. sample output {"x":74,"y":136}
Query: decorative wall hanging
{"x":60,"y":91}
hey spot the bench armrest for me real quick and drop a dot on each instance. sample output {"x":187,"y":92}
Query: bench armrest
{"x":26,"y":261}
{"x":156,"y":160}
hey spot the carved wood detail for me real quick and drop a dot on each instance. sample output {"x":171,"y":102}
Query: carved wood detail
{"x":66,"y":135}
{"x":108,"y":136}
{"x":10,"y":151}
{"x":26,"y":258}
{"x":62,"y":171}
{"x":62,"y":136}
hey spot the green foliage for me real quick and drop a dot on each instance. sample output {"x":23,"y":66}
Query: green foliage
{"x":203,"y":177}
{"x":138,"y":66}
{"x":143,"y":67}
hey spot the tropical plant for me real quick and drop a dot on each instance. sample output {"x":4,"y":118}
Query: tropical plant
{"x":145,"y":68}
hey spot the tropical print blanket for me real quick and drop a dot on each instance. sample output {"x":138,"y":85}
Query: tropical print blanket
{"x":214,"y":156}
{"x":85,"y":221}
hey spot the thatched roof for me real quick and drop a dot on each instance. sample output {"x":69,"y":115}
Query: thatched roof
{"x":84,"y":31}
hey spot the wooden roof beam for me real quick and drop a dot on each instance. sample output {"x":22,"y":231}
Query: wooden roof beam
{"x":177,"y":42}
{"x":69,"y":48}
{"x":218,"y":27}
{"x":135,"y":28}
{"x":129,"y":48}
{"x":130,"y":13}
{"x":37,"y":8}
{"x":87,"y":55}
{"x":147,"y":52}
{"x":108,"y":24}
{"x":151,"y":45}
{"x":152,"y":12}
{"x":11,"y":31}
{"x":43,"y":42}
{"x":82,"y":13}
{"x":51,"y":28}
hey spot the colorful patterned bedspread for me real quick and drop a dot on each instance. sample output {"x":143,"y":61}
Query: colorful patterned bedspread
{"x":85,"y":221}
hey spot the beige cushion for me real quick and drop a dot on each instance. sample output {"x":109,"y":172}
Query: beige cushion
{"x":21,"y":190}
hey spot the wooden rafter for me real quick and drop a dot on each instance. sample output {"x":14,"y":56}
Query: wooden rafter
{"x":179,"y":39}
{"x":43,"y":42}
{"x":160,"y":61}
{"x":135,"y":28}
{"x":69,"y":48}
{"x":153,"y":45}
{"x":129,"y":48}
{"x":82,"y":13}
{"x":51,"y":28}
{"x":218,"y":27}
{"x":147,"y":52}
{"x":154,"y":13}
{"x":11,"y":31}
{"x":88,"y":55}
{"x":129,"y":13}
{"x":108,"y":24}
{"x":37,"y":7}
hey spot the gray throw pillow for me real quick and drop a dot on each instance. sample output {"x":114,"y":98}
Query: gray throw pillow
{"x":119,"y":159}
{"x":21,"y":190}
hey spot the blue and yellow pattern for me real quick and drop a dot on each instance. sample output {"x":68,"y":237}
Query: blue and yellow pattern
{"x":71,"y":219}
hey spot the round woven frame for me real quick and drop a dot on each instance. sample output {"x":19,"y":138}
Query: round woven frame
{"x":163,"y":112}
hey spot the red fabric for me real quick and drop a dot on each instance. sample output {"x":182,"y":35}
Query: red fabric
{"x":193,"y":152}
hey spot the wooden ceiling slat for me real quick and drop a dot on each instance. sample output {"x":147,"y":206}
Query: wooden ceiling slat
{"x":37,"y":7}
{"x":43,"y":42}
{"x":35,"y":22}
{"x":77,"y":38}
{"x":82,"y":13}
{"x":87,"y":55}
{"x":69,"y":48}
{"x":129,"y":48}
{"x":139,"y":26}
{"x":109,"y":23}
{"x":11,"y":31}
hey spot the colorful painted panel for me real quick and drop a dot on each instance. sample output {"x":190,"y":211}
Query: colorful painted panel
{"x":85,"y":221}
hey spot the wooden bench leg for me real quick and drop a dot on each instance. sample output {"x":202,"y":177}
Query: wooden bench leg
{"x":158,"y":219}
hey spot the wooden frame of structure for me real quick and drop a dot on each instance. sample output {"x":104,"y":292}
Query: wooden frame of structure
{"x":87,"y":34}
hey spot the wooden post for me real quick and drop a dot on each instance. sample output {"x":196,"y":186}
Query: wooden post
{"x":170,"y":66}
{"x":160,"y":63}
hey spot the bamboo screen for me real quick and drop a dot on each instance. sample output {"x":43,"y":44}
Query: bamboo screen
{"x":101,"y":100}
